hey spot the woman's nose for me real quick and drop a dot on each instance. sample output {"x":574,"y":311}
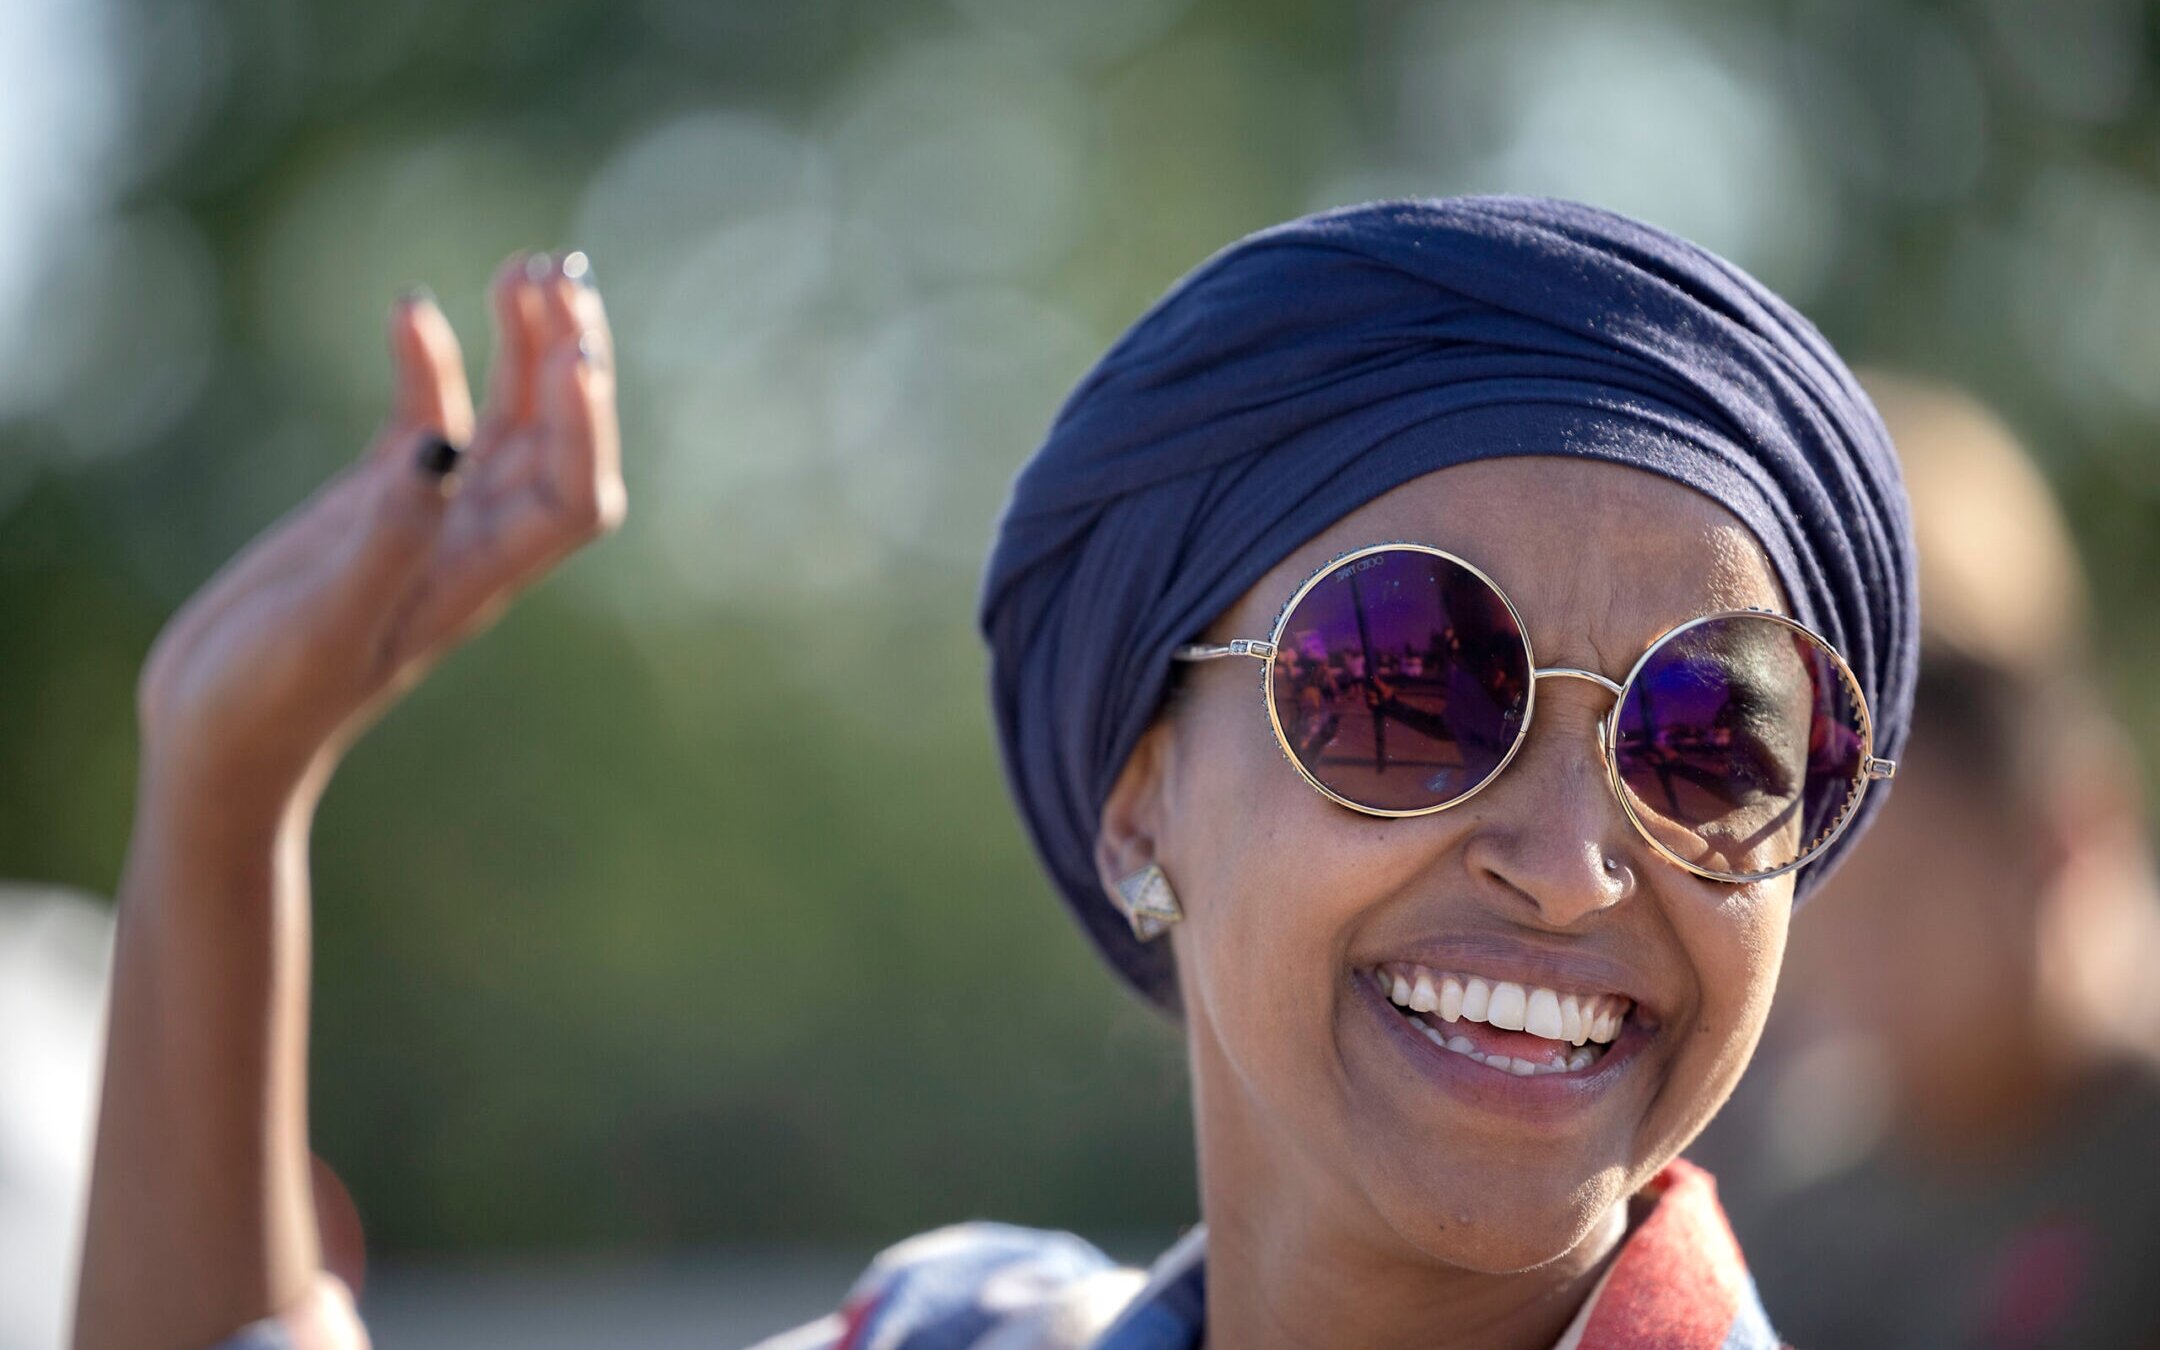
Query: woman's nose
{"x":1550,"y":832}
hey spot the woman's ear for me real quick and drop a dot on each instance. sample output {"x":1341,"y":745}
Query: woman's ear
{"x":1135,"y":817}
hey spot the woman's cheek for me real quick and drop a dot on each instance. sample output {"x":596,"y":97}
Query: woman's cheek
{"x":1266,"y":924}
{"x":1289,"y":878}
{"x":1737,"y":945}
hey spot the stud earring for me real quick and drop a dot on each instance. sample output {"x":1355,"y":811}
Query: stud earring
{"x":1148,"y":903}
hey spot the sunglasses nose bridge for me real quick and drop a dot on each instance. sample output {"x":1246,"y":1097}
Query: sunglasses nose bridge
{"x":1603,"y":730}
{"x":1571,"y":673}
{"x":1612,"y":778}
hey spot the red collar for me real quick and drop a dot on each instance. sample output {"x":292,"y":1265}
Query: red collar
{"x":1679,"y":1282}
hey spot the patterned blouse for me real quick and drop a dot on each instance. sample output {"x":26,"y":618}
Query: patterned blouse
{"x":1678,"y":1283}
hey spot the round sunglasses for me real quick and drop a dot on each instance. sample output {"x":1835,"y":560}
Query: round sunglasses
{"x":1400,"y":682}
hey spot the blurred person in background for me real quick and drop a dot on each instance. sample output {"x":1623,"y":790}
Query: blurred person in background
{"x":1454,"y":997}
{"x":1971,"y":1003}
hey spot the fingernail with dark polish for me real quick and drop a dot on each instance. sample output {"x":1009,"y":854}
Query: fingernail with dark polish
{"x":438,"y":458}
{"x":577,"y":267}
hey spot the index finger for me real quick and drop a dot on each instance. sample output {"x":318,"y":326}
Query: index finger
{"x":431,"y":391}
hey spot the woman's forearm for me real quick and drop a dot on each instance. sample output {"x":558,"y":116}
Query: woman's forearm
{"x":201,"y":1218}
{"x":201,"y":1215}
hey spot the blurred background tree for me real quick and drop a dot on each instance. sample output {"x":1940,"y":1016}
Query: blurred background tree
{"x":687,"y":907}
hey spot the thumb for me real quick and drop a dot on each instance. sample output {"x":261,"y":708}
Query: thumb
{"x":394,"y":538}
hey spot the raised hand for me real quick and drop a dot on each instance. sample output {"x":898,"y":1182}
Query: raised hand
{"x":267,"y":674}
{"x":201,"y":1216}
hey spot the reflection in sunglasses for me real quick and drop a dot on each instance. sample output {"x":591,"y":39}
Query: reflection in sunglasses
{"x":1400,"y":682}
{"x":1736,"y":744}
{"x":1386,"y":688}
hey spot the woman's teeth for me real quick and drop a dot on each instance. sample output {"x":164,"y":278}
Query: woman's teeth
{"x":1587,"y":1022}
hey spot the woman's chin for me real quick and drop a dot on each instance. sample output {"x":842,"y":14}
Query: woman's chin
{"x":1501,"y":1220}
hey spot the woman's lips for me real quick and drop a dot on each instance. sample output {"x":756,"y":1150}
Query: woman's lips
{"x":1572,"y":1016}
{"x":1516,"y":1052}
{"x":1507,"y":1068}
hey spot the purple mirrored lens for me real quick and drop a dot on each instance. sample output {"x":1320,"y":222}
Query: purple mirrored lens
{"x":1401,"y":680}
{"x":1740,"y":744}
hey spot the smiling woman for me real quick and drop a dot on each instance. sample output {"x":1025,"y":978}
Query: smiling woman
{"x":1468,"y":944}
{"x":1501,"y":1149}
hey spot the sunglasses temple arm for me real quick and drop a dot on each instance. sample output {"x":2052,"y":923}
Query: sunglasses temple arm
{"x":1211,"y":651}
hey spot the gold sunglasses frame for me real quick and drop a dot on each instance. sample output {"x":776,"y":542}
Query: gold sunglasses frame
{"x":1872,"y":769}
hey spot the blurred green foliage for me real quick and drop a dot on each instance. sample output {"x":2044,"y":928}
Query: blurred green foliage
{"x":686,"y":906}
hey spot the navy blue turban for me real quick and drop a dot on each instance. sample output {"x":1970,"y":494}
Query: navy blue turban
{"x":1314,"y":366}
